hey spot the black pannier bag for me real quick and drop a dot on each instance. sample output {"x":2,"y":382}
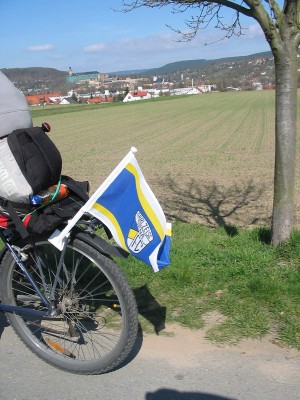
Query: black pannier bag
{"x":29,"y":162}
{"x":44,"y":220}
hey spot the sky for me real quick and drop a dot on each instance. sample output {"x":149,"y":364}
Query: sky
{"x":94,"y":35}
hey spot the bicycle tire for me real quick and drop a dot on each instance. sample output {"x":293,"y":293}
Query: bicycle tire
{"x":98,"y":321}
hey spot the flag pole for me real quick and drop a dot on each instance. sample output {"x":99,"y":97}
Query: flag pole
{"x":58,"y":238}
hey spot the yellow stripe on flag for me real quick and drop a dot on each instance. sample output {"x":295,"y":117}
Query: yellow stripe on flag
{"x":132,"y":234}
{"x":114,"y":222}
{"x":145,"y":204}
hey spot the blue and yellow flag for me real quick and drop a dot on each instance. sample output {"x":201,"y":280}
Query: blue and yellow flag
{"x":127,"y":206}
{"x":134,"y":216}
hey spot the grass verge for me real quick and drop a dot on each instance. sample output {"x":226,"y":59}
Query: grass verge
{"x":253,"y":287}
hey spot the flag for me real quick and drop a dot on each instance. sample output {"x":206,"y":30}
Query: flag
{"x":134,"y":216}
{"x":127,"y":206}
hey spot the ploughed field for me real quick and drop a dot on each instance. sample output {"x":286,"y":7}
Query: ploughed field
{"x":208,"y":158}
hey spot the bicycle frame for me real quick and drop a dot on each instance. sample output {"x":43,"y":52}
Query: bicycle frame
{"x":22,"y":310}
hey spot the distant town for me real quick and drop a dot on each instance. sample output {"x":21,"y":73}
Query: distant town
{"x":102,"y":88}
{"x":47,"y":86}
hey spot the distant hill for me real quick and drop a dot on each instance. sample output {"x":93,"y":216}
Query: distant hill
{"x":34,"y":78}
{"x":33,"y":73}
{"x":191,"y":64}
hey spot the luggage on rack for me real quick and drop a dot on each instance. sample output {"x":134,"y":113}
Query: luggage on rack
{"x":29,"y":160}
{"x":29,"y":163}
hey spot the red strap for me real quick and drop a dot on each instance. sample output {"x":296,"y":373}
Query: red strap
{"x":4,"y":221}
{"x":26,"y":220}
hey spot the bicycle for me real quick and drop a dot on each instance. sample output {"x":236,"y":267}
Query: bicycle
{"x":73,"y":308}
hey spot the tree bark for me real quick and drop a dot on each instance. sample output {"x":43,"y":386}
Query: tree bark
{"x":286,"y":73}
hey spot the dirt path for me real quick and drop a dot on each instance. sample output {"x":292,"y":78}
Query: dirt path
{"x":184,"y":348}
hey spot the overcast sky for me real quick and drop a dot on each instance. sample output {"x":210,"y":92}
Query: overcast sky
{"x":88,"y":35}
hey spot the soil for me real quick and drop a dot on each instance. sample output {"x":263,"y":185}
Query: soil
{"x":184,"y":348}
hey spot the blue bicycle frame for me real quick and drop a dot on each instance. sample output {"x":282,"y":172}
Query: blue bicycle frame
{"x":22,"y":310}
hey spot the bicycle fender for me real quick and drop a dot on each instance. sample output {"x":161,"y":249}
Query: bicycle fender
{"x":101,"y":245}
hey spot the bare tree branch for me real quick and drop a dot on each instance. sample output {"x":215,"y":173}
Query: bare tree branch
{"x":267,"y":13}
{"x":205,"y":12}
{"x":182,"y":5}
{"x":206,"y":15}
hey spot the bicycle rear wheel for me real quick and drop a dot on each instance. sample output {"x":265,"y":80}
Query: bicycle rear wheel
{"x":96,"y":325}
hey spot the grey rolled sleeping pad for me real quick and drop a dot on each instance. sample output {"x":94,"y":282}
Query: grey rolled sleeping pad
{"x":14,"y":109}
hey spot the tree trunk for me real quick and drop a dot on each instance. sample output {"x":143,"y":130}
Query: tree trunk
{"x":286,"y":72}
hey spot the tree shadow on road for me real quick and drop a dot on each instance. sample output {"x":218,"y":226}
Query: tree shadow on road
{"x":171,"y":394}
{"x":211,"y":204}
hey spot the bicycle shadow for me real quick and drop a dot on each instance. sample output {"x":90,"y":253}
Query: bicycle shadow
{"x":150,"y":309}
{"x":153,"y":312}
{"x":171,"y":394}
{"x":211,"y":204}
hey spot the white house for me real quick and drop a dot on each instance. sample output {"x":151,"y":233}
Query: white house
{"x":187,"y":90}
{"x":137,"y":95}
{"x":64,"y":101}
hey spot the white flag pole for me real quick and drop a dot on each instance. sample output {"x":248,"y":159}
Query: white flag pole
{"x":58,"y":237}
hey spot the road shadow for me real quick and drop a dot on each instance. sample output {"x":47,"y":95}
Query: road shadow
{"x":171,"y":394}
{"x":3,"y":323}
{"x":211,"y":204}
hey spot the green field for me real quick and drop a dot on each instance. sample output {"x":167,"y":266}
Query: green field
{"x":208,"y":158}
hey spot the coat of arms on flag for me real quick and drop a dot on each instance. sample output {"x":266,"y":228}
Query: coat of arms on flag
{"x":139,"y":237}
{"x":127,"y":206}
